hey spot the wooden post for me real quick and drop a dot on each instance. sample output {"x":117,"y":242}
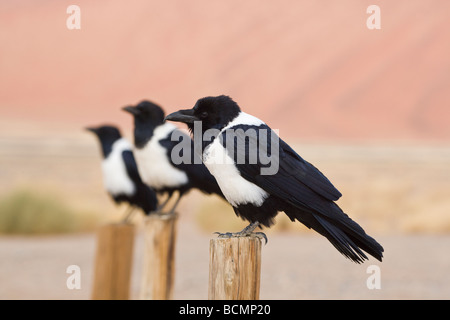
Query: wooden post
{"x":234,"y":268}
{"x":113,"y":262}
{"x":159,"y":257}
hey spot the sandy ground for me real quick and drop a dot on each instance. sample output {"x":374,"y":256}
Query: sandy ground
{"x":294,"y":266}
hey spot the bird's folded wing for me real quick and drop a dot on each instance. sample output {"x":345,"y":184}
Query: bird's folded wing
{"x":295,"y":180}
{"x":131,"y":166}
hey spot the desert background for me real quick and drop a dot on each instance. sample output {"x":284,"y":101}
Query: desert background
{"x":369,"y":108}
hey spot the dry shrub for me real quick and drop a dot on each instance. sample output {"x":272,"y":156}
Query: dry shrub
{"x":26,"y":211}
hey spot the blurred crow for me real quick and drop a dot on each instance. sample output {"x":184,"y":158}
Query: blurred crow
{"x":160,"y":148}
{"x":120,"y":174}
{"x":236,"y":150}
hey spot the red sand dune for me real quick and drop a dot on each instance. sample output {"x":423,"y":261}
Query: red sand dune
{"x":310,"y":68}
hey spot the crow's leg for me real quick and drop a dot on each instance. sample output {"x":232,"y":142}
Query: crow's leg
{"x":172,"y":211}
{"x":128,"y":214}
{"x":162,"y":205}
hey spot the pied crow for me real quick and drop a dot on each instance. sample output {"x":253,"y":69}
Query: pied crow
{"x":260,"y":175}
{"x":161,"y":165}
{"x":120,"y":174}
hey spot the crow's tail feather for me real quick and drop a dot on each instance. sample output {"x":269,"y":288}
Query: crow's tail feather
{"x":351,"y":242}
{"x":343,"y":233}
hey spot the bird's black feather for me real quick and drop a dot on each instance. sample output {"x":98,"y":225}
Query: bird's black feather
{"x":145,"y":197}
{"x":131,"y":166}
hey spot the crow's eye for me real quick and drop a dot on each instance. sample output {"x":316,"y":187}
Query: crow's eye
{"x":204,"y":115}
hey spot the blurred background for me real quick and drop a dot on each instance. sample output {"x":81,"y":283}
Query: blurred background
{"x":369,"y":108}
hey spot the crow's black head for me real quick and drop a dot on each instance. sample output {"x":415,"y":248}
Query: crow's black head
{"x":146,"y":113}
{"x":213,"y":112}
{"x":107,"y":135}
{"x":147,"y":116}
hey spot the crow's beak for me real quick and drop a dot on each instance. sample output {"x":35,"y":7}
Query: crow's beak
{"x":133,"y":110}
{"x":91,"y":129}
{"x":185,"y":116}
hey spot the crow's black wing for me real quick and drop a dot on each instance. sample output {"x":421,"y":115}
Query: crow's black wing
{"x":145,"y":197}
{"x":286,"y":175}
{"x":131,"y":166}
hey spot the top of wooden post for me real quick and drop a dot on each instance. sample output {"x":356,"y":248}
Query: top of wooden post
{"x":234,"y":268}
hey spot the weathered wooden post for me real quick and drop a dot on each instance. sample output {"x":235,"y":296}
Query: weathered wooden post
{"x":159,"y":257}
{"x":234,"y":268}
{"x":113,"y":262}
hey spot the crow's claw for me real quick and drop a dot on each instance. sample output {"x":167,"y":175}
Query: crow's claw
{"x":259,"y":235}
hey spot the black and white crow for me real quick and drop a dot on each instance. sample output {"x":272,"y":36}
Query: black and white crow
{"x":120,"y":174}
{"x":260,"y":174}
{"x":164,"y":169}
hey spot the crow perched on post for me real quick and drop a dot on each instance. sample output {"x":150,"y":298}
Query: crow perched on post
{"x":236,"y":150}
